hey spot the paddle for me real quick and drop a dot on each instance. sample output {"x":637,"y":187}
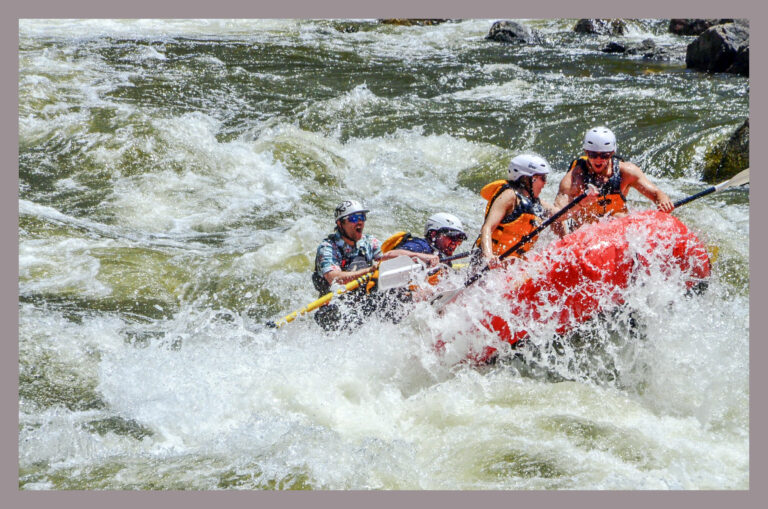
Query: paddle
{"x":352,"y":285}
{"x":444,"y":298}
{"x":456,"y":256}
{"x":391,"y":273}
{"x":402,"y":273}
{"x":738,"y":180}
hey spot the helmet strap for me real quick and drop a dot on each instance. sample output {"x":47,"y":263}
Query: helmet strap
{"x":341,"y":230}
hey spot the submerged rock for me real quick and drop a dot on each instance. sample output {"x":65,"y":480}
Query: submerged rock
{"x":600,"y":26}
{"x":512,"y":31}
{"x":722,"y":48}
{"x":412,"y":21}
{"x":694,"y":26}
{"x":647,"y":49}
{"x":728,"y":158}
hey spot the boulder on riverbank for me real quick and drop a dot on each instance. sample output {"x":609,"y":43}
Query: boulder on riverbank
{"x":694,"y":26}
{"x":721,"y":48}
{"x":512,"y":31}
{"x":728,"y":158}
{"x":600,"y":26}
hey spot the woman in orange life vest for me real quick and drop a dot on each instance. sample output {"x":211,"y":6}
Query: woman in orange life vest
{"x":513,"y":209}
{"x":613,"y":178}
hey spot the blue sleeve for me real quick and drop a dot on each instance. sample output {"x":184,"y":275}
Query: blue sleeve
{"x":416,"y":246}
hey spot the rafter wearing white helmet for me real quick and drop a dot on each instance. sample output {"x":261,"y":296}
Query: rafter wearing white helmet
{"x":349,"y":207}
{"x":513,"y":210}
{"x":600,"y":139}
{"x":527,"y":165}
{"x":444,"y":222}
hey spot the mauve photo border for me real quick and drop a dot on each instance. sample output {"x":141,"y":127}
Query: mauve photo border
{"x":484,"y":9}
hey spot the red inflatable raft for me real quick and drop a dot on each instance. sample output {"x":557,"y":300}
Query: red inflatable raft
{"x":584,"y":273}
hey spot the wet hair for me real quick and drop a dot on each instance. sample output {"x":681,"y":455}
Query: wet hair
{"x":523,"y":183}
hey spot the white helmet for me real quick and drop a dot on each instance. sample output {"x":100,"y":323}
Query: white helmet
{"x":349,"y":207}
{"x":442,"y":221}
{"x":600,"y":139}
{"x":527,"y":165}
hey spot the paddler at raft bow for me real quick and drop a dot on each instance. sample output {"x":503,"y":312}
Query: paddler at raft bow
{"x":443,"y":233}
{"x":345,"y":255}
{"x":513,"y":210}
{"x":612,"y":176}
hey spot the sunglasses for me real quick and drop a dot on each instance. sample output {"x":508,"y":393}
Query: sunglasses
{"x":543,"y":178}
{"x":355,"y":218}
{"x":454,"y":236}
{"x":598,"y":155}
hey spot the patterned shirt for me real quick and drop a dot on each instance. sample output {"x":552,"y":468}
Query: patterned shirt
{"x":335,"y":254}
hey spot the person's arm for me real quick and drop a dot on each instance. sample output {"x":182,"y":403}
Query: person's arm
{"x":549,"y":209}
{"x":564,"y":191}
{"x":342,"y":277}
{"x":569,"y":189}
{"x":504,"y":202}
{"x":635,"y":178}
{"x":329,"y":265}
{"x":430,"y":259}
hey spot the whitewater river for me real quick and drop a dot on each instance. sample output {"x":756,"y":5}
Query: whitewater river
{"x":175,"y":178}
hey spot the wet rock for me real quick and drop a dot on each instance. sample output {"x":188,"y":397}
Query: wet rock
{"x":647,"y":49}
{"x":728,"y":158}
{"x":694,"y":26}
{"x":600,"y":26}
{"x":511,"y":31}
{"x":346,"y":28}
{"x":614,"y":47}
{"x":741,"y":63}
{"x":412,"y":21}
{"x":721,"y":48}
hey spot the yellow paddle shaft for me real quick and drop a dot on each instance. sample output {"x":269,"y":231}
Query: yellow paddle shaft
{"x":352,"y":285}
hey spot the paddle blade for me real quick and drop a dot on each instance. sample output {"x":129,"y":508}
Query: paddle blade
{"x":396,"y":272}
{"x":441,"y":300}
{"x":738,"y":180}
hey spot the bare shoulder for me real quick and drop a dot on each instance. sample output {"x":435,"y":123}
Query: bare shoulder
{"x":571,"y":182}
{"x":630,"y":168}
{"x":507,"y":197}
{"x":630,"y":172}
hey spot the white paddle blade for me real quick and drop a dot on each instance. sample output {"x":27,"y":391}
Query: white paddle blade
{"x":441,"y":300}
{"x":739,"y":180}
{"x":396,"y":272}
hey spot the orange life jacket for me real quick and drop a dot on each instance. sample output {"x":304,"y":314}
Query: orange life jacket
{"x":524,"y":218}
{"x":612,"y":200}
